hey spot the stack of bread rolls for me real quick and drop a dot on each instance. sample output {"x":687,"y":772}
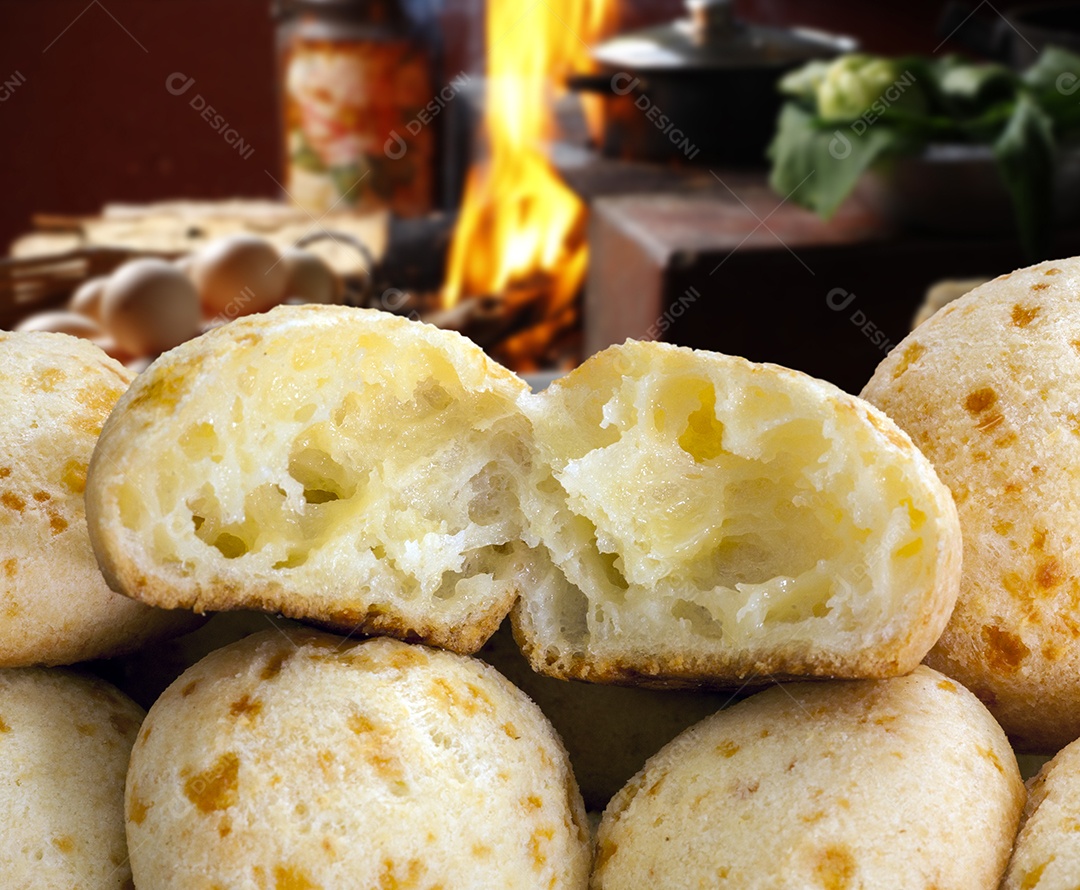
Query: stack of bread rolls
{"x":881,"y":587}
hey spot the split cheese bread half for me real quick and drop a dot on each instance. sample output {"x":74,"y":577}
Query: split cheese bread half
{"x":337,"y":465}
{"x":714,"y":521}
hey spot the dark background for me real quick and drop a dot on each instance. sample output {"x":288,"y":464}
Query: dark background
{"x":93,"y":122}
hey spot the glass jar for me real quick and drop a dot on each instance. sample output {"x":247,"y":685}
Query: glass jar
{"x":354,"y":76}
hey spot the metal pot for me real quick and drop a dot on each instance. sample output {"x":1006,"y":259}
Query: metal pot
{"x":702,"y":89}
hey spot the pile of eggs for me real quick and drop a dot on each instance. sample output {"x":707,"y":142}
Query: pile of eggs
{"x":147,"y":306}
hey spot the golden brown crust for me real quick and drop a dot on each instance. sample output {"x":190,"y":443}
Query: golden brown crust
{"x":982,"y":387}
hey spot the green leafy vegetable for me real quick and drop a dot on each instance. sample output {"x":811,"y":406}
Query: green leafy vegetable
{"x":1025,"y":158}
{"x":817,"y":166}
{"x":843,"y":116}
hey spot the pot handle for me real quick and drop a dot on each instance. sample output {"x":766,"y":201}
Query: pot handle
{"x":590,"y":83}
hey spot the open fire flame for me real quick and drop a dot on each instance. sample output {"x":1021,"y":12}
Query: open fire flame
{"x":520,"y":226}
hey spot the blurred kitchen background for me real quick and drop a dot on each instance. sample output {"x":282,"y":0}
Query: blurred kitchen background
{"x":610,"y":179}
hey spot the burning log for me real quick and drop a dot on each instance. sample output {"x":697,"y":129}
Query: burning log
{"x":491,"y":319}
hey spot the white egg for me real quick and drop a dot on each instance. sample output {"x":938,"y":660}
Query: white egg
{"x":239,"y":275}
{"x":61,"y":322}
{"x":309,"y":278}
{"x":150,"y":306}
{"x":87,"y":297}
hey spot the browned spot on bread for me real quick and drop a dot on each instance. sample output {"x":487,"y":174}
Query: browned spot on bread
{"x":12,"y":501}
{"x":1002,"y":526}
{"x":947,"y":685}
{"x":74,"y":476}
{"x":328,"y":848}
{"x":123,"y":724}
{"x":979,"y":400}
{"x":65,"y":843}
{"x":287,"y":878}
{"x":11,"y":566}
{"x":1004,"y":650}
{"x":1040,"y":285}
{"x":911,"y":354}
{"x":992,"y":757}
{"x":137,"y":809}
{"x":835,"y":868}
{"x":57,"y":523}
{"x":163,"y":388}
{"x":891,"y":434}
{"x":1052,"y":650}
{"x":1053,"y":270}
{"x":41,"y":496}
{"x":391,"y":879}
{"x":727,"y":748}
{"x":85,"y":728}
{"x":1049,"y":573}
{"x":273,"y":666}
{"x":1038,"y":538}
{"x":224,"y":828}
{"x":532,"y":802}
{"x":49,"y":378}
{"x":216,"y":788}
{"x":360,"y":724}
{"x":1006,"y":441}
{"x":408,"y":657}
{"x":1022,"y":316}
{"x":539,"y":839}
{"x":189,"y":688}
{"x":98,"y":401}
{"x":811,"y":818}
{"x":511,"y":731}
{"x":246,"y":706}
{"x":604,"y":852}
{"x":480,"y":850}
{"x":990,"y":422}
{"x":1032,"y":878}
{"x":445,"y":692}
{"x":5,"y":472}
{"x":744,"y":789}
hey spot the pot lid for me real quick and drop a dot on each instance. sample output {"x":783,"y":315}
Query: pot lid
{"x":711,"y":37}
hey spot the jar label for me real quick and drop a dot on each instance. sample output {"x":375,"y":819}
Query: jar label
{"x":345,"y":101}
